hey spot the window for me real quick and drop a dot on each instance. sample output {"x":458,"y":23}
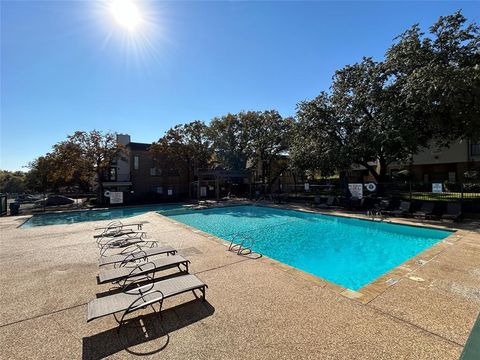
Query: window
{"x":153,"y":171}
{"x":135,"y":162}
{"x":112,"y":176}
{"x":159,"y":190}
{"x":475,"y":149}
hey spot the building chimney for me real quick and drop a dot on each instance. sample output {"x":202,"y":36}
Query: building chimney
{"x":123,"y":139}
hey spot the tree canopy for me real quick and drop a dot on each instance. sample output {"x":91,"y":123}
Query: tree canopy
{"x":426,"y":89}
{"x":187,"y":146}
{"x":12,"y":181}
{"x":81,"y":160}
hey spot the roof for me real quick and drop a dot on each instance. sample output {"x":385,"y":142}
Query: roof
{"x":138,"y":146}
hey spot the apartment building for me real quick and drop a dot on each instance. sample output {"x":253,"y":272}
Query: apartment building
{"x":141,"y":179}
{"x":435,"y":164}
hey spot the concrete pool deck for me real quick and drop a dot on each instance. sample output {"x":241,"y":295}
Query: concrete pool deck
{"x":256,"y":309}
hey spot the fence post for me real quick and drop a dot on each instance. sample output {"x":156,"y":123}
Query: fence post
{"x":410,"y":185}
{"x":461,"y":190}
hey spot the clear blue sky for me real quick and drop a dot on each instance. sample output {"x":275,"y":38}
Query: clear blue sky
{"x":69,"y":65}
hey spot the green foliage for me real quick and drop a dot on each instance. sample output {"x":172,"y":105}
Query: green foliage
{"x":80,"y":160}
{"x":230,"y":140}
{"x":253,"y":139}
{"x":316,"y":141}
{"x":427,"y":89}
{"x":438,"y":75}
{"x":12,"y":181}
{"x":186,"y":146}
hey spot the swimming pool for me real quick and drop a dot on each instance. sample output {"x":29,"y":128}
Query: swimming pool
{"x":349,"y":252}
{"x":95,"y":215}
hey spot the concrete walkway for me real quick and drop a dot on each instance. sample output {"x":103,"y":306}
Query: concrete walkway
{"x":254,"y":309}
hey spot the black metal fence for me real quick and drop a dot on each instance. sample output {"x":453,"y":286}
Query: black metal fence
{"x":468,"y":194}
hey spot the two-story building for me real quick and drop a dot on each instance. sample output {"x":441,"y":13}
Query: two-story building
{"x":437,"y":164}
{"x":434,"y":164}
{"x":141,"y":179}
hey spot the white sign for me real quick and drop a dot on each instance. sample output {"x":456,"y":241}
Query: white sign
{"x":437,"y":188}
{"x":307,"y":187}
{"x":203,"y":191}
{"x":356,"y":190}
{"x":116,"y":197}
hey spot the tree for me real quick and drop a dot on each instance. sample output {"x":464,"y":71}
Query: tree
{"x":186,"y":146}
{"x":383,"y":112}
{"x":359,"y":122}
{"x":82,"y":159}
{"x":268,"y":139}
{"x":316,"y":144}
{"x":42,"y":176}
{"x":439,"y":76}
{"x":12,"y":181}
{"x":229,"y":141}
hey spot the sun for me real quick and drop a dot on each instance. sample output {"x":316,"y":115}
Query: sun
{"x":126,"y":13}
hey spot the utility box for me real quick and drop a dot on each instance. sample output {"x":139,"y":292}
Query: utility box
{"x":14,"y":208}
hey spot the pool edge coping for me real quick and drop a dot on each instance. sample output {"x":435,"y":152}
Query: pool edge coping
{"x":370,"y":291}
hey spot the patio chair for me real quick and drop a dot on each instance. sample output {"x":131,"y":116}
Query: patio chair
{"x":117,"y":224}
{"x":330,"y":203}
{"x":454,"y":212}
{"x":143,"y":296}
{"x":134,"y":253}
{"x":105,"y":245}
{"x":356,"y":203}
{"x":426,"y":210}
{"x":403,"y":209}
{"x":117,"y":228}
{"x":126,"y":275}
{"x":118,"y":231}
{"x":382,"y":206}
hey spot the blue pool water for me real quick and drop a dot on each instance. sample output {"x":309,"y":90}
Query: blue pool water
{"x":348,"y":252}
{"x":94,"y":215}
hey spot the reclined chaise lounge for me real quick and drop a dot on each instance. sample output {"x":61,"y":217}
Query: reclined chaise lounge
{"x":126,"y":275}
{"x":135,"y":252}
{"x":454,"y":212}
{"x":143,"y":296}
{"x":426,"y":210}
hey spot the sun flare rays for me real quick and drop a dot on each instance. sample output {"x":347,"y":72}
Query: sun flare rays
{"x":133,"y":28}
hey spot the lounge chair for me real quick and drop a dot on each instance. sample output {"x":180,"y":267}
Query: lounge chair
{"x":426,"y":210}
{"x":143,"y":296}
{"x":126,"y":275}
{"x":116,"y":232}
{"x":454,"y":212}
{"x":117,"y":228}
{"x":116,"y":224}
{"x":137,"y":252}
{"x":382,"y":206}
{"x":403,"y":209}
{"x":356,"y":203}
{"x":123,"y":242}
{"x":330,"y":203}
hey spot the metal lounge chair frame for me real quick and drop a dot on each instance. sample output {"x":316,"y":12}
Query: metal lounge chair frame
{"x":116,"y":229}
{"x":147,"y":295}
{"x":124,"y":276}
{"x":426,"y":210}
{"x":135,"y":252}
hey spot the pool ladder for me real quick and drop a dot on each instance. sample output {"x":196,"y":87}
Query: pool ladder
{"x":375,"y":214}
{"x":244,"y":247}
